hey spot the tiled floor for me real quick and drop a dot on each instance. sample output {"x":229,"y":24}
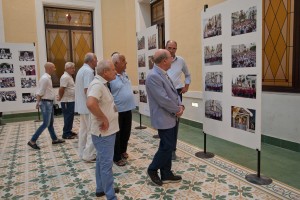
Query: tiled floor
{"x":55,"y":172}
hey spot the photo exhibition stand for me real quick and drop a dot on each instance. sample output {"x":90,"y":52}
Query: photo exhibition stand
{"x":140,"y":126}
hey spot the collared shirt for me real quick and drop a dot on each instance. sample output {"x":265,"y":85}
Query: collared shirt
{"x":105,"y":99}
{"x":67,"y":82}
{"x":84,"y":77}
{"x":177,"y":68}
{"x":122,"y":93}
{"x":45,"y":89}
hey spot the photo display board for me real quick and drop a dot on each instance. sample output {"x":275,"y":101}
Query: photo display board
{"x":18,"y":77}
{"x":147,"y":44}
{"x":232,"y":68}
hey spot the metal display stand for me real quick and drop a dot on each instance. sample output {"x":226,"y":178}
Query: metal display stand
{"x":140,"y":127}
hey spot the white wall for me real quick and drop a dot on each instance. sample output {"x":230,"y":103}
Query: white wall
{"x":2,"y":39}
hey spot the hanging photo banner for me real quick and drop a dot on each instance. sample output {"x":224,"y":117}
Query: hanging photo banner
{"x":147,"y":44}
{"x":18,"y":77}
{"x":232,"y":67}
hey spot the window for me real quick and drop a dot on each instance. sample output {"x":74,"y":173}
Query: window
{"x":158,"y":17}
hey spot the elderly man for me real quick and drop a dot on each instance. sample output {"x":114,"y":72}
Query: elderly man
{"x":178,"y":67}
{"x":165,"y":109}
{"x":45,"y":96}
{"x":124,"y":100}
{"x":84,"y":77}
{"x":103,"y":127}
{"x":66,"y":96}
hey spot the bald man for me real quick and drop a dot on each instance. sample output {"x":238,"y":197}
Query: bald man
{"x":165,"y":109}
{"x":45,"y":96}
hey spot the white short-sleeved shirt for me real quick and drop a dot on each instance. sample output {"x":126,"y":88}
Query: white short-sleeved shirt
{"x":84,"y":77}
{"x":67,"y":82}
{"x":105,"y":99}
{"x":45,"y":88}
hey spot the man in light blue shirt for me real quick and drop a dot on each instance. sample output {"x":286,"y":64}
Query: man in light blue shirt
{"x":124,"y":100}
{"x":178,"y":67}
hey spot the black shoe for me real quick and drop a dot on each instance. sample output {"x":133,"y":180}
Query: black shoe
{"x":101,"y":194}
{"x":58,"y":141}
{"x":172,"y":179}
{"x":34,"y":146}
{"x":68,"y":137}
{"x":154,"y":177}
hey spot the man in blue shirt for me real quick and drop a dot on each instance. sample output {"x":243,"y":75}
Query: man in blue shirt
{"x":124,"y":100}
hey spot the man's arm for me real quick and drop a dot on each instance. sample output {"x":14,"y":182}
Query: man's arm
{"x":187,"y":77}
{"x":93,"y":106}
{"x":61,"y":92}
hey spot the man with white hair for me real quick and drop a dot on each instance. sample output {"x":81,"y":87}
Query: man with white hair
{"x":66,"y":96}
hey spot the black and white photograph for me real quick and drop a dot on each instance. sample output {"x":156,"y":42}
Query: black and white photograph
{"x":26,"y":56}
{"x":152,"y":42}
{"x":7,"y":82}
{"x":244,"y":86}
{"x":28,"y":98}
{"x":6,"y":68}
{"x":213,"y":55}
{"x":141,"y":60}
{"x":142,"y":78}
{"x":243,"y":55}
{"x":8,"y":96}
{"x":214,"y":81}
{"x":143,"y":96}
{"x":243,"y":21}
{"x":150,"y":62}
{"x":213,"y":110}
{"x":243,"y":118}
{"x":27,"y":70}
{"x":5,"y":53}
{"x":141,"y":43}
{"x":28,"y":82}
{"x":212,"y":26}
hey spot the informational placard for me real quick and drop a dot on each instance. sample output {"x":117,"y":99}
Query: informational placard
{"x":232,"y":67}
{"x":18,"y":77}
{"x":147,"y":44}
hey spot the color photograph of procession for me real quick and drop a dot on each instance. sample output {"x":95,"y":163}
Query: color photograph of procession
{"x":214,"y":81}
{"x":243,"y":118}
{"x":212,"y":26}
{"x":213,"y":109}
{"x":243,"y":21}
{"x":213,"y":55}
{"x":244,"y":86}
{"x":243,"y":55}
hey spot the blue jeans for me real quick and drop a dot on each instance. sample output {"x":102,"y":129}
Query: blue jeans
{"x":163,"y":158}
{"x":47,"y":113}
{"x":68,"y":113}
{"x":104,"y":175}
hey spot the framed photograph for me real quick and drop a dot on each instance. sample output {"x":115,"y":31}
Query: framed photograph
{"x":243,"y":118}
{"x":7,"y":82}
{"x":141,"y":60}
{"x":214,"y":81}
{"x":152,"y":42}
{"x":150,"y":62}
{"x":213,"y":55}
{"x":141,"y":43}
{"x":27,"y":70}
{"x":213,"y":110}
{"x":26,"y":56}
{"x":212,"y":26}
{"x":6,"y":68}
{"x":244,"y":86}
{"x":142,"y":78}
{"x":5,"y":53}
{"x":28,"y":98}
{"x":28,"y":82}
{"x":243,"y":55}
{"x":143,"y":96}
{"x":8,"y":96}
{"x":243,"y":21}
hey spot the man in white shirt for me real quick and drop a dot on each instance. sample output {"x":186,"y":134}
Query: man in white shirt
{"x":103,"y":127}
{"x":45,"y":97}
{"x":66,"y":96}
{"x":84,"y":77}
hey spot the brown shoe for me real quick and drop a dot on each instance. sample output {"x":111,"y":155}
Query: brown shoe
{"x":120,"y":163}
{"x":58,"y":141}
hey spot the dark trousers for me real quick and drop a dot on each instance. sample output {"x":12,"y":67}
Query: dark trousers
{"x":177,"y":123}
{"x":123,"y":135}
{"x":163,"y":158}
{"x":68,"y":113}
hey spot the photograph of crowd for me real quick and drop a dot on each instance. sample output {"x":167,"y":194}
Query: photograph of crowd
{"x":213,"y":109}
{"x":141,"y":60}
{"x":243,"y":21}
{"x":213,"y":55}
{"x":143,"y":96}
{"x":27,"y":70}
{"x":152,"y":42}
{"x":7,"y":82}
{"x":6,"y":68}
{"x":150,"y":62}
{"x":5,"y":54}
{"x":26,"y":56}
{"x":8,"y":96}
{"x":244,"y":86}
{"x":142,"y":78}
{"x":28,"y":82}
{"x":214,"y":81}
{"x":243,"y":118}
{"x":243,"y":55}
{"x":28,"y":98}
{"x":141,"y":43}
{"x":212,"y":26}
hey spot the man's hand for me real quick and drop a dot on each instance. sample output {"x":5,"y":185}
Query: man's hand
{"x":37,"y":106}
{"x":180,"y":111}
{"x":104,"y":125}
{"x":184,"y":89}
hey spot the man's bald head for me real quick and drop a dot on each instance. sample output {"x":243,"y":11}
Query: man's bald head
{"x":49,"y":68}
{"x":162,"y":58}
